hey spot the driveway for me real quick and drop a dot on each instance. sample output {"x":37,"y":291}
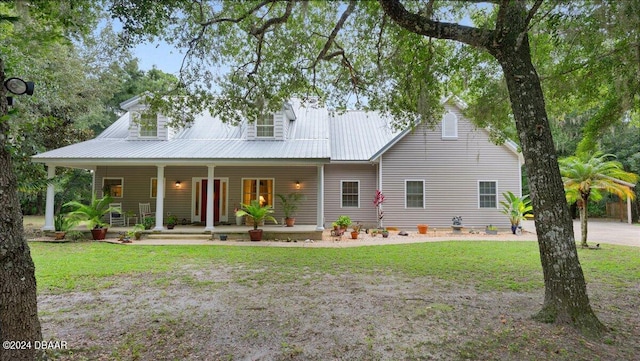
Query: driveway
{"x":603,"y":231}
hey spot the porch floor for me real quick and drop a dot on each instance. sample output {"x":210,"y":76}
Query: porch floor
{"x":270,"y":232}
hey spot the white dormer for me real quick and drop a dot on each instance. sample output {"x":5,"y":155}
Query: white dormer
{"x":274,"y":126}
{"x":144,"y":125}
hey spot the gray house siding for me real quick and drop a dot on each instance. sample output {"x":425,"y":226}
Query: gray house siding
{"x":178,"y":201}
{"x":451,"y":170}
{"x":366,"y":175}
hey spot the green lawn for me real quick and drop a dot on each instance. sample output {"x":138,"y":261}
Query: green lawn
{"x":487,"y":266}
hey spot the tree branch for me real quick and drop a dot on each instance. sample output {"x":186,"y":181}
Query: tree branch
{"x":273,"y":21}
{"x":334,"y":32}
{"x":442,"y":30}
{"x":530,"y":15}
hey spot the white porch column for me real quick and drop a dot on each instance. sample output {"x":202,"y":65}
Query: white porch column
{"x":320,"y":206}
{"x":160,"y":199}
{"x":48,"y":213}
{"x":210,"y":195}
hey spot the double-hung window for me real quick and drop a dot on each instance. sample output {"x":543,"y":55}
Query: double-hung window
{"x":414,"y":193}
{"x":350,"y":194}
{"x":148,"y":125}
{"x":265,"y":126}
{"x":488,"y":194}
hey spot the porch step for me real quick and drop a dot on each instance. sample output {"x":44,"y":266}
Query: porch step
{"x":164,"y":235}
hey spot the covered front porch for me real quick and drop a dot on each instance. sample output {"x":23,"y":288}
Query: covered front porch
{"x":184,"y":190}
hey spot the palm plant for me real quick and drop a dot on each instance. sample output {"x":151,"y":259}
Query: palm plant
{"x":588,"y":178}
{"x":515,"y":208}
{"x":93,"y":212}
{"x":257,"y":212}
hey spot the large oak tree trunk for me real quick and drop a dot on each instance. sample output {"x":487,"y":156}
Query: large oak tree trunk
{"x":18,"y":304}
{"x":566,"y":299}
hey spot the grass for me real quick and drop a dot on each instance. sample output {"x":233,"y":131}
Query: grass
{"x":487,"y":266}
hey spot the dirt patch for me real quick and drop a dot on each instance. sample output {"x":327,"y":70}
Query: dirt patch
{"x":219,"y":312}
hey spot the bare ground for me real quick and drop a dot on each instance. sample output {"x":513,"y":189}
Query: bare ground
{"x":218,"y":312}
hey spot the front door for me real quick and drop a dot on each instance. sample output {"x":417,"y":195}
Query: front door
{"x":199,"y":200}
{"x":216,"y":201}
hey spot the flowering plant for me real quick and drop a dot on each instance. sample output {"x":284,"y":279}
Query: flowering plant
{"x":377,"y":201}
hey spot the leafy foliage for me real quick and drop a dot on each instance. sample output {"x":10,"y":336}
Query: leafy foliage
{"x":290,"y":203}
{"x":93,"y":212}
{"x":589,"y":177}
{"x":515,"y":207}
{"x":258,"y":212}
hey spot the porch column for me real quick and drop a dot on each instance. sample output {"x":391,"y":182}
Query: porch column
{"x":160,"y":199}
{"x":210,"y":195}
{"x":48,"y":213}
{"x":320,"y":205}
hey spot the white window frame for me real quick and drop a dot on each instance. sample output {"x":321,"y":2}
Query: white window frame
{"x":342,"y":192}
{"x":424,"y":196}
{"x":260,"y":126}
{"x":447,"y":118}
{"x":121,"y":186}
{"x":141,"y":132}
{"x":496,"y":195}
{"x":151,"y":187}
{"x":273,"y":189}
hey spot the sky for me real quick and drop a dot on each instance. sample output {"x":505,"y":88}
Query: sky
{"x":160,"y":55}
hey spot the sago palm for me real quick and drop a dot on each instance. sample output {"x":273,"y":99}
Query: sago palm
{"x":588,"y":178}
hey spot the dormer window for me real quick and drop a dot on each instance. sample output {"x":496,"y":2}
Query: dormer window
{"x":148,"y":125}
{"x":450,"y":126}
{"x":265,"y":126}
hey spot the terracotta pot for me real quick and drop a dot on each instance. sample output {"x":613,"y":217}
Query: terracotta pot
{"x":290,"y":221}
{"x":422,"y":228}
{"x":60,"y":235}
{"x":255,"y":234}
{"x":354,"y":235}
{"x":99,"y":233}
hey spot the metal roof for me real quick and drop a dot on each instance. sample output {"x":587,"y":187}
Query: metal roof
{"x":316,"y":135}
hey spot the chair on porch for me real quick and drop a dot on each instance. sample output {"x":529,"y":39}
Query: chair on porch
{"x":116,"y":216}
{"x":145,"y":211}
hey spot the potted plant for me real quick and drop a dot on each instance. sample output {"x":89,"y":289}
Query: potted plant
{"x":290,"y":206}
{"x":491,"y":229}
{"x":343,"y":222}
{"x":93,"y":213}
{"x":384,"y":233}
{"x":62,"y":224}
{"x":259,"y":214}
{"x":515,"y":208}
{"x":148,"y":222}
{"x":136,"y":232}
{"x":457,"y":224}
{"x":171,"y":221}
{"x":239,"y":219}
{"x":356,"y":230}
{"x":374,"y":232}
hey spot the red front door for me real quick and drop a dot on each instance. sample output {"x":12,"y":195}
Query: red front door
{"x":216,"y":201}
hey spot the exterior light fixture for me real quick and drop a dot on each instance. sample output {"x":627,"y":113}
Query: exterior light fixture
{"x":178,"y":184}
{"x":297,"y":184}
{"x":18,"y":86}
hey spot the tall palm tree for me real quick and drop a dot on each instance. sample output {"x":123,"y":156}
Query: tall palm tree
{"x":589,"y":177}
